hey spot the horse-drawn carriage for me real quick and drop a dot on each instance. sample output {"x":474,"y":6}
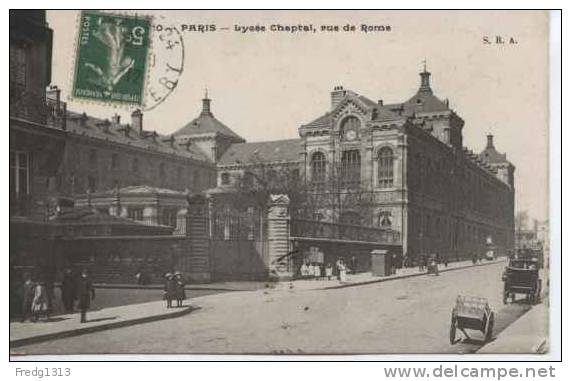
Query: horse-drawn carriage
{"x":521,"y":276}
{"x":471,"y":313}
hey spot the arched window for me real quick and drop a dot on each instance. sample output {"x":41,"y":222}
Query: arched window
{"x":351,"y":166}
{"x":350,"y":128}
{"x":318,"y":167}
{"x":385,"y":167}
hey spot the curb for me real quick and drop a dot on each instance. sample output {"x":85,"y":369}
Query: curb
{"x":380,"y":280}
{"x":97,"y":328}
{"x":159,"y":287}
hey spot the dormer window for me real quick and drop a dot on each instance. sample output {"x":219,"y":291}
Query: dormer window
{"x":225,"y":178}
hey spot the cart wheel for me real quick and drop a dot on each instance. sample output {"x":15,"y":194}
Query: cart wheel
{"x":490,"y":329}
{"x":453,"y":331}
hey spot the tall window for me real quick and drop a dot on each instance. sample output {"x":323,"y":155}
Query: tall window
{"x":318,"y":164}
{"x":92,"y":157}
{"x":19,"y":172}
{"x":91,"y":183}
{"x":115,"y":161}
{"x":351,"y":166}
{"x":18,"y":65}
{"x":135,"y":165}
{"x":385,"y":168}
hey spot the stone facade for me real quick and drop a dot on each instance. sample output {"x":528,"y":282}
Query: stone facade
{"x":408,"y":165}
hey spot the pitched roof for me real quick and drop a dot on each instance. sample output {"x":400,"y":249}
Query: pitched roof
{"x":207,"y":123}
{"x":423,"y":102}
{"x":492,"y":156}
{"x":105,"y":130}
{"x":272,"y":151}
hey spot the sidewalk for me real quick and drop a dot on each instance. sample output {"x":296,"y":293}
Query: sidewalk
{"x":308,"y":284}
{"x":361,"y":279}
{"x":528,"y":334}
{"x":108,"y":318}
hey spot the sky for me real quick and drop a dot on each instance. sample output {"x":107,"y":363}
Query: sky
{"x":264,"y":85}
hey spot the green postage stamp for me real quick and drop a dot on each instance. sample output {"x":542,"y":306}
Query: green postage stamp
{"x":111,"y":58}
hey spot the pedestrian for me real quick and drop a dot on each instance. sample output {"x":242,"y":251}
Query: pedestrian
{"x":68,"y":289}
{"x":338,"y":266}
{"x":342,"y":271}
{"x":421,"y":261}
{"x":85,"y":294}
{"x":446,"y":261}
{"x":170,"y":289}
{"x":329,"y":271}
{"x":40,"y":302}
{"x":354,"y":264}
{"x":28,"y":289}
{"x":304,"y":270}
{"x":317,"y":271}
{"x":179,"y":285}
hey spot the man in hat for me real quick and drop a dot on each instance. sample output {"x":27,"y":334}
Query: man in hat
{"x":68,"y":290}
{"x":170,"y":289}
{"x":86,"y":293}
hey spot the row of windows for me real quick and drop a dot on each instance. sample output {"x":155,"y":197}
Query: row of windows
{"x":441,"y":228}
{"x":116,"y":164}
{"x":350,"y":170}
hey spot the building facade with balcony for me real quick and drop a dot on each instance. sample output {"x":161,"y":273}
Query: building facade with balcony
{"x":37,"y":120}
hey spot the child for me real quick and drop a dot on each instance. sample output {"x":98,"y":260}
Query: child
{"x":40,"y":302}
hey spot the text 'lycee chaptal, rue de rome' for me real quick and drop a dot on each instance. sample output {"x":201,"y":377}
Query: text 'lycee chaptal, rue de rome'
{"x":294,"y":28}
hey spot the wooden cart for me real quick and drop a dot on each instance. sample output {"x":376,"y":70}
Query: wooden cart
{"x":471,"y":313}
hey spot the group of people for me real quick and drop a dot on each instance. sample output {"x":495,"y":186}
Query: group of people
{"x":432,"y":260}
{"x":37,"y":297}
{"x":174,"y":289}
{"x":316,"y":270}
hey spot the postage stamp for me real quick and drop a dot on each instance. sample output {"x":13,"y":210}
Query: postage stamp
{"x":111,"y":58}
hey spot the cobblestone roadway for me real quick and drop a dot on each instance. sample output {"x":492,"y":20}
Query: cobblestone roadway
{"x":401,"y":316}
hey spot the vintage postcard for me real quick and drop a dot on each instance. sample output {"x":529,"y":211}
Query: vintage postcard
{"x":279,"y":182}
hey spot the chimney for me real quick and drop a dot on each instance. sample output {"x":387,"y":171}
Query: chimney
{"x":490,"y":141}
{"x":206,"y":104}
{"x":337,"y":96}
{"x":116,"y":120}
{"x":137,"y":121}
{"x":380,"y":102}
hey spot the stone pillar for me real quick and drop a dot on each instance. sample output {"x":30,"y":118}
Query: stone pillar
{"x":198,"y":263}
{"x":278,"y":260}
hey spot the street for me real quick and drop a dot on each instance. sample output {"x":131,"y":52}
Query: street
{"x":400,"y":316}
